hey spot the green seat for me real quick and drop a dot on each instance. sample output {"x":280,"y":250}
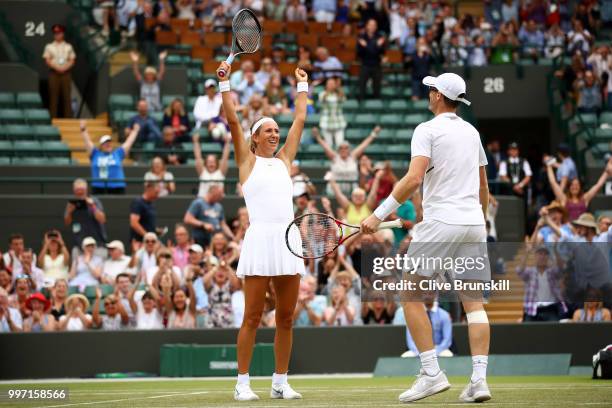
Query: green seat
{"x":414,"y":119}
{"x":55,"y":148}
{"x":121,"y":102}
{"x":355,"y":135}
{"x":400,"y":150}
{"x":373,"y":105}
{"x":29,"y":100}
{"x":420,"y":105}
{"x":404,"y":135}
{"x":174,"y":59}
{"x":399,"y":105}
{"x":208,"y":148}
{"x":313,"y":120}
{"x":350,"y":105}
{"x":60,"y":161}
{"x":157,"y":117}
{"x":376,"y":151}
{"x":386,"y":135}
{"x":603,"y":135}
{"x":31,"y":161}
{"x":391,"y":120}
{"x":7,"y":100}
{"x":589,"y":119}
{"x":314,"y":150}
{"x":191,"y":101}
{"x":366,"y":120}
{"x":605,"y":117}
{"x":284,"y":120}
{"x":389,"y":92}
{"x":38,"y":116}
{"x":5,"y":161}
{"x":47,"y":132}
{"x":167,"y":100}
{"x":6,"y":148}
{"x":19,"y":132}
{"x":12,"y":116}
{"x":27,"y":148}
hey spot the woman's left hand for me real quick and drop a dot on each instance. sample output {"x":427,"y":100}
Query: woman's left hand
{"x":301,"y":75}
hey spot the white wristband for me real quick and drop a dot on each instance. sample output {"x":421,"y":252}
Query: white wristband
{"x":386,"y":208}
{"x":224,"y":86}
{"x":302,"y":87}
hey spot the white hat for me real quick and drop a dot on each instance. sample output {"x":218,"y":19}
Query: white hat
{"x":209,"y":83}
{"x":104,"y":139}
{"x":448,"y":84}
{"x":196,"y":248}
{"x":88,"y":241}
{"x":149,"y":235}
{"x":116,"y":244}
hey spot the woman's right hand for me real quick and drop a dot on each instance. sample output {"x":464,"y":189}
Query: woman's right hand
{"x":226,"y":68}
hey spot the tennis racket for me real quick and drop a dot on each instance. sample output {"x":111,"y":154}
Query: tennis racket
{"x":315,"y":235}
{"x":246,"y":35}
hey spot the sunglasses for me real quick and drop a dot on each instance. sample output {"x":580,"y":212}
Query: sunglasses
{"x":150,"y":241}
{"x":166,"y":256}
{"x":109,"y":303}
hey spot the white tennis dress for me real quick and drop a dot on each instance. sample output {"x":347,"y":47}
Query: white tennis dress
{"x":268,"y":193}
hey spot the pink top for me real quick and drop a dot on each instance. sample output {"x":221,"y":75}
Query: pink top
{"x":575,"y":209}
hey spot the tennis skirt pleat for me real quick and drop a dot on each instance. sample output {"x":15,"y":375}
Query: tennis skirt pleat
{"x":264,"y":251}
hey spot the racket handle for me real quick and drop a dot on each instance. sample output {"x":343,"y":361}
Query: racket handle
{"x":229,"y":61}
{"x":390,"y":224}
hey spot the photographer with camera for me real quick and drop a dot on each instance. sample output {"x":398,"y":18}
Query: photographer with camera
{"x":84,"y":215}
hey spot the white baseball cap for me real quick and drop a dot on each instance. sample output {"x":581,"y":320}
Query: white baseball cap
{"x":209,"y":83}
{"x":88,"y":241}
{"x":116,"y":244}
{"x":196,"y":248}
{"x":104,"y":139}
{"x":449,"y":84}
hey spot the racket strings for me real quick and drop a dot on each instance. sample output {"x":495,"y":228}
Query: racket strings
{"x":318,"y":235}
{"x":247,"y":32}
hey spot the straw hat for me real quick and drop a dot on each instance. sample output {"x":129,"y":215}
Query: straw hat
{"x":556,"y":206}
{"x":77,"y":297}
{"x":586,"y":220}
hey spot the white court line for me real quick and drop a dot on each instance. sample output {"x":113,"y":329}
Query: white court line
{"x":124,"y":399}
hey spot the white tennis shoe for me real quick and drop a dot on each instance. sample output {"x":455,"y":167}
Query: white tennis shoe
{"x":476,"y":392}
{"x":243,"y":392}
{"x":424,"y":386}
{"x":284,"y":391}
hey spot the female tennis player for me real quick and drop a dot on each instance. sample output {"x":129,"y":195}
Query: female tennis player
{"x":264,"y":175}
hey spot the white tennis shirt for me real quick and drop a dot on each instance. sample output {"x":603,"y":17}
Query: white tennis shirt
{"x":452,"y":180}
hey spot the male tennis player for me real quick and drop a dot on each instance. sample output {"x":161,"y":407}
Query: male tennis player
{"x":448,"y":158}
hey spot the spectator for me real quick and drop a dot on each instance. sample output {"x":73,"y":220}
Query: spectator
{"x":509,"y":11}
{"x":332,"y":122}
{"x":276,"y":97}
{"x":552,"y":218}
{"x":148,"y":129}
{"x":494,"y":158}
{"x":304,"y":58}
{"x":211,"y":172}
{"x":171,"y":147}
{"x":115,"y":316}
{"x":149,"y":85}
{"x":35,"y":274}
{"x":206,"y":216}
{"x":218,"y":127}
{"x":593,"y":309}
{"x":59,"y":57}
{"x":555,"y":42}
{"x":185,"y":9}
{"x":123,"y":286}
{"x":84,"y":215}
{"x":54,"y":258}
{"x":589,"y":94}
{"x":220,"y":282}
{"x":398,"y":24}
{"x":147,"y":310}
{"x":224,"y":250}
{"x":103,"y":14}
{"x":387,"y":180}
{"x":255,"y":109}
{"x":543,"y":301}
{"x":603,"y":223}
{"x":144,"y":258}
{"x":344,"y":162}
{"x":275,"y":10}
{"x":39,"y":320}
{"x":370,"y":49}
{"x":237,"y":77}
{"x":310,"y":307}
{"x":163,"y":265}
{"x":143,"y":216}
{"x":601,"y":63}
{"x":6,"y":281}
{"x":176,"y":117}
{"x":164,"y":177}
{"x":479,"y":54}
{"x":442,"y":331}
{"x":578,"y":39}
{"x":106,"y":162}
{"x":296,"y":12}
{"x":515,"y":170}
{"x":126,"y":11}
{"x":182,"y":308}
{"x":566,"y":170}
{"x":86,"y":269}
{"x":266,"y":70}
{"x":23,"y":289}
{"x":59,"y":293}
{"x":325,"y":66}
{"x":249,"y":87}
{"x":76,"y":317}
{"x":12,"y":257}
{"x":240,"y":225}
{"x":10,"y":318}
{"x":324,"y":11}
{"x":301,"y":182}
{"x":376,"y":311}
{"x":116,"y":264}
{"x":421,"y":67}
{"x":505,"y":44}
{"x":455,"y":54}
{"x":340,"y":313}
{"x":208,"y":106}
{"x":180,"y":251}
{"x":532,"y":39}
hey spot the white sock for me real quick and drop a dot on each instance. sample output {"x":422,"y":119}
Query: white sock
{"x":244,"y":379}
{"x":429,"y":362}
{"x":279,"y":378}
{"x":479,"y":367}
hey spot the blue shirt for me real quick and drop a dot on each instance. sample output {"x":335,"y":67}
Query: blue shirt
{"x":201,"y":295}
{"x":567,"y":168}
{"x":107,"y":166}
{"x":149,"y":130}
{"x":203,"y":211}
{"x":317,"y":305}
{"x":442,"y":330}
{"x":324,"y":5}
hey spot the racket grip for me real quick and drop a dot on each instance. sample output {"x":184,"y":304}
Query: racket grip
{"x":229,"y":61}
{"x":390,"y":224}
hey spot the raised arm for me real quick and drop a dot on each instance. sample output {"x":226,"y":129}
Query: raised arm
{"x":241,"y":148}
{"x":340,"y":197}
{"x":127,"y":145}
{"x":331,"y":155}
{"x":371,"y":199}
{"x":556,"y":188}
{"x":97,"y":320}
{"x":358,"y":151}
{"x":132,"y":291}
{"x":89,"y":146}
{"x":223,"y":164}
{"x":197,"y":152}
{"x":162,"y":65}
{"x":289,"y":149}
{"x":589,"y":195}
{"x":135,"y":69}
